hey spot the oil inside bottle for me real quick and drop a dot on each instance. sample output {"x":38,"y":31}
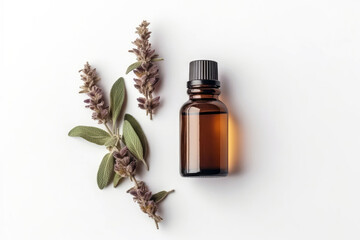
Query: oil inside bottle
{"x":204,"y":143}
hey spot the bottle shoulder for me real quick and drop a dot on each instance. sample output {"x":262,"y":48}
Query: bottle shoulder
{"x":203,"y":105}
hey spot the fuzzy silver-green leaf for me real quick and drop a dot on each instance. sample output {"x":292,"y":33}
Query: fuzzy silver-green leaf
{"x":106,"y":171}
{"x":91,"y":134}
{"x":117,"y":179}
{"x":158,"y":197}
{"x":117,"y":95}
{"x":157,"y":59}
{"x":133,"y":142}
{"x":136,"y":126}
{"x":111,"y":142}
{"x":133,"y":66}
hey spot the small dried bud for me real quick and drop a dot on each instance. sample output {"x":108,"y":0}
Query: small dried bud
{"x":153,"y":81}
{"x":142,"y":106}
{"x":137,"y":81}
{"x":154,"y":105}
{"x":141,"y":100}
{"x":131,"y":167}
{"x":156,"y":100}
{"x":125,"y":160}
{"x":123,"y":151}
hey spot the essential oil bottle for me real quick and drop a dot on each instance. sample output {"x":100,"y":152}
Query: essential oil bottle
{"x":203,"y":124}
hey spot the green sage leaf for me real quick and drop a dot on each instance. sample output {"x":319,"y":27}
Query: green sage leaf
{"x":157,"y":59}
{"x":91,"y":134}
{"x":133,"y":142}
{"x":117,"y":179}
{"x":111,"y":142}
{"x":138,"y":131}
{"x":133,"y":66}
{"x":158,"y":197}
{"x":117,"y":95}
{"x":106,"y":171}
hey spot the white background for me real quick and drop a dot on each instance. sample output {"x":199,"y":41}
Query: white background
{"x":290,"y":78}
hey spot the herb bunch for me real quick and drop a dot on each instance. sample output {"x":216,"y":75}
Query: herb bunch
{"x":145,"y":69}
{"x":125,"y":151}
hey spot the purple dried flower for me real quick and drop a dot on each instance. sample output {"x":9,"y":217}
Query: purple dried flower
{"x":142,"y":196}
{"x":125,"y":164}
{"x":96,"y":101}
{"x":141,"y":100}
{"x":123,"y":151}
{"x":148,"y":72}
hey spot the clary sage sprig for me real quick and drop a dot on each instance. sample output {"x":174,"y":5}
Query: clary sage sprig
{"x":126,"y":150}
{"x":145,"y":69}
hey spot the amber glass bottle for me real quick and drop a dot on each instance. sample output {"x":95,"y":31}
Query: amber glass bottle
{"x":203,"y":124}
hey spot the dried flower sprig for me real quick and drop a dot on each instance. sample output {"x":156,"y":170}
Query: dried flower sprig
{"x":145,"y":69}
{"x":126,"y":150}
{"x":142,"y":196}
{"x":96,"y":101}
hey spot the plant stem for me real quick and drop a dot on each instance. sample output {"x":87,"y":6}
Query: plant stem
{"x":146,"y":97}
{"x":132,"y":177}
{"x":150,"y":96}
{"x":111,"y":133}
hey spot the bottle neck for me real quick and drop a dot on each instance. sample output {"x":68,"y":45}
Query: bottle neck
{"x":203,"y":92}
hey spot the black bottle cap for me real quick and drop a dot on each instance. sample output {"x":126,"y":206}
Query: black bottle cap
{"x":203,"y":72}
